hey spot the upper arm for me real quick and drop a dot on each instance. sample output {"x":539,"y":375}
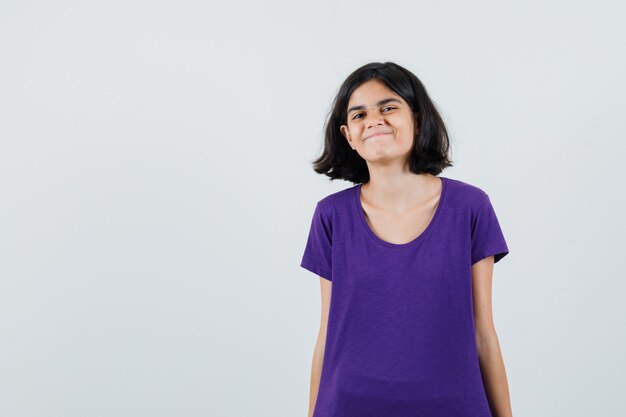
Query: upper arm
{"x":482,"y":277}
{"x":318,"y":253}
{"x":487,"y":238}
{"x":326,"y":289}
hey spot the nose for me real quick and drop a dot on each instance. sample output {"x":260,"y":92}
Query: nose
{"x":375,"y":120}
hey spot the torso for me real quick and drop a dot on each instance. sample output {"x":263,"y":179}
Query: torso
{"x":400,"y":228}
{"x":407,"y":308}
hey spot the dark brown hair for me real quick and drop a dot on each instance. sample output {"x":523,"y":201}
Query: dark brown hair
{"x":430,"y":147}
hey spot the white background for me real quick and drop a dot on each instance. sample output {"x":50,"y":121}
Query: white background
{"x":156,"y":192}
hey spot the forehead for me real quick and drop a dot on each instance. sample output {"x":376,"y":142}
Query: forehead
{"x":370,"y":92}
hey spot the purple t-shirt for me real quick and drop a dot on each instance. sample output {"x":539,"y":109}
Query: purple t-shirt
{"x":400,"y":339}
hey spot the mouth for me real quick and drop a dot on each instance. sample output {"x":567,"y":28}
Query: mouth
{"x":377,"y":134}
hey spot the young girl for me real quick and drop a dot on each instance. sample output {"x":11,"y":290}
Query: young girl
{"x":408,"y":256}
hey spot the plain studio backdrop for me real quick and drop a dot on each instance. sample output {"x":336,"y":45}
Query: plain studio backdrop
{"x":156,"y":193}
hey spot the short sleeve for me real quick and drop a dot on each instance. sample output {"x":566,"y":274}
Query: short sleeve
{"x":317,"y":256}
{"x":487,"y":236}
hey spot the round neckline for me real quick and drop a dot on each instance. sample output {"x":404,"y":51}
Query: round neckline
{"x":420,"y":237}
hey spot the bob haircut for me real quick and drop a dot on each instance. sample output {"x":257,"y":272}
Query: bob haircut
{"x":429,"y":153}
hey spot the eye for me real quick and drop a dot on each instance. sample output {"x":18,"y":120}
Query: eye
{"x":356,"y":116}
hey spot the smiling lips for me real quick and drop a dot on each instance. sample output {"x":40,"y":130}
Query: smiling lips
{"x":377,"y":134}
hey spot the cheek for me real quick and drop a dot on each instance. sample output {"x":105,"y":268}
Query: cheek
{"x":356,"y":130}
{"x":408,"y":128}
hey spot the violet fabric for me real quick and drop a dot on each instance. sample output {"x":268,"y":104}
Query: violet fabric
{"x":400,"y":340}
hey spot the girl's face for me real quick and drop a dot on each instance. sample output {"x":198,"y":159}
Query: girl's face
{"x":380,"y":124}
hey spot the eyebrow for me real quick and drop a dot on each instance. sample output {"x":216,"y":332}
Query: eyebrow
{"x":380,"y":103}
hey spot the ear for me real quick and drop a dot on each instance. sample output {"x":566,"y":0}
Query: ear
{"x":346,"y":133}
